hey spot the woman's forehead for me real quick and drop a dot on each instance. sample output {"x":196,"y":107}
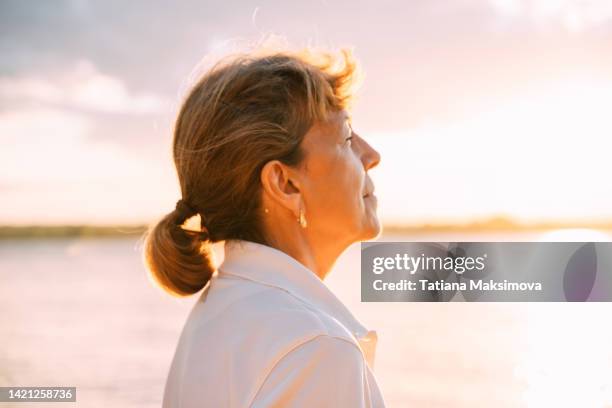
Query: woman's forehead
{"x":335,"y":119}
{"x":340,"y":116}
{"x":325,"y":133}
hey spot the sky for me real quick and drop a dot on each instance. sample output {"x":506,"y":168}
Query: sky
{"x":479,"y":108}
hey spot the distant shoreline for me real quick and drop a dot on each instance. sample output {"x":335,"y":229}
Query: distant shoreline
{"x":117,"y":231}
{"x":499,"y":224}
{"x":70,"y":231}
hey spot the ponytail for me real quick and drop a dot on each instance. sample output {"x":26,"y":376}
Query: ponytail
{"x":179,"y":260}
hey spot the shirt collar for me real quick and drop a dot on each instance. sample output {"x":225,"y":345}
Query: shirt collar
{"x":272,"y":267}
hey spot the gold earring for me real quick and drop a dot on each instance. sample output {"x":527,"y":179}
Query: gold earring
{"x":266,"y":210}
{"x":302,"y":219}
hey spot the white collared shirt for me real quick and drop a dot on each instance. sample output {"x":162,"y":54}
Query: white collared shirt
{"x":268,"y":332}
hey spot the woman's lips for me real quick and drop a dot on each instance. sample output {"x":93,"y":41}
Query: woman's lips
{"x":370,"y":196}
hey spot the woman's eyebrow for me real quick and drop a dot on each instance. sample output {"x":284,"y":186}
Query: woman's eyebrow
{"x":347,"y":124}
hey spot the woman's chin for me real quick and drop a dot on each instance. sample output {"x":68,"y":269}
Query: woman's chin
{"x":372,"y":229}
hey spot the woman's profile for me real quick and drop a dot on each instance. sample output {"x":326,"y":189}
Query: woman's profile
{"x":267,"y":158}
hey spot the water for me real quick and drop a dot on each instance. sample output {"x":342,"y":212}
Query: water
{"x":82,"y":312}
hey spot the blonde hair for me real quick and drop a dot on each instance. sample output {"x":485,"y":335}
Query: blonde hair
{"x":245,"y":111}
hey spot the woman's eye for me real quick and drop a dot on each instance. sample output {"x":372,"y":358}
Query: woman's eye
{"x":348,"y":140}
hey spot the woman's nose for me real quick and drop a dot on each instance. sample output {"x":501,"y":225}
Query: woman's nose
{"x":370,"y":157}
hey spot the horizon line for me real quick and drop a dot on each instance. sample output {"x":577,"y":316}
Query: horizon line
{"x":493,"y":224}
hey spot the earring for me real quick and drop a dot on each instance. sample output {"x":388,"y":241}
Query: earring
{"x":266,"y":210}
{"x":302,"y":219}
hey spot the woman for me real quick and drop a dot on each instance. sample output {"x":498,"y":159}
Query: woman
{"x":267,"y":158}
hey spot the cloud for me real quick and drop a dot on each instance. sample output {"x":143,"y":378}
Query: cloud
{"x":574,"y":15}
{"x":54,"y":172}
{"x":57,"y":168}
{"x":82,"y":86}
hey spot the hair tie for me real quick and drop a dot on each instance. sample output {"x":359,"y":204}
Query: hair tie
{"x":185,"y":210}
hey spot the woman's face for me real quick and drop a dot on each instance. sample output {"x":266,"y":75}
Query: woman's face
{"x":337,"y":192}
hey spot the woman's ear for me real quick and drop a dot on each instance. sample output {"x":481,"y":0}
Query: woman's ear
{"x":280,"y":184}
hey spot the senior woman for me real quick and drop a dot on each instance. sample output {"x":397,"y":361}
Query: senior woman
{"x":267,"y":158}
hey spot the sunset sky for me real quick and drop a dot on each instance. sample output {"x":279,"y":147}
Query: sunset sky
{"x":478,"y":107}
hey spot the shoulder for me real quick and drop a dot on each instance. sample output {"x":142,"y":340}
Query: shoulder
{"x":269,"y":311}
{"x":332,"y":366}
{"x":333,"y":352}
{"x":266,"y":321}
{"x":242,"y":330}
{"x":278,"y":314}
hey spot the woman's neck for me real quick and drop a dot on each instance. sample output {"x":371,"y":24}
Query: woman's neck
{"x":316,"y":255}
